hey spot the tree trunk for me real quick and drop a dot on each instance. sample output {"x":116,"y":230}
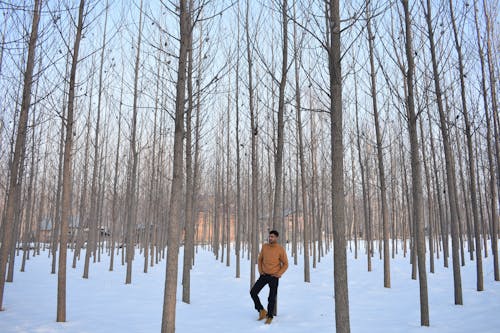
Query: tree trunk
{"x":29,"y":209}
{"x":254,"y":131}
{"x":176,"y":200}
{"x":15,"y":181}
{"x":429,"y":197}
{"x":239,"y":215}
{"x":366,"y":231}
{"x":494,"y":150}
{"x":114,"y":212}
{"x":342,"y":323}
{"x":132,"y":163}
{"x":189,"y":222}
{"x":491,"y":162}
{"x":450,"y":169}
{"x":278,"y":156}
{"x":82,"y":221}
{"x":67,"y":177}
{"x":416,"y":173}
{"x":470,"y":151}
{"x":380,"y":155}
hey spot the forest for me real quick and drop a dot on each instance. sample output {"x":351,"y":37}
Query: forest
{"x":149,"y":128}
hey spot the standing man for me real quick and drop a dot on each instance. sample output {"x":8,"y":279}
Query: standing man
{"x":273,"y":262}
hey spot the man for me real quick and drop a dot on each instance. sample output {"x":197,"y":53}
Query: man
{"x":272,"y":262}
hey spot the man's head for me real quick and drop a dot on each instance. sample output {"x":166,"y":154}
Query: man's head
{"x":273,"y":236}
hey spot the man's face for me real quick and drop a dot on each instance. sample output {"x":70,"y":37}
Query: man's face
{"x":272,"y":238}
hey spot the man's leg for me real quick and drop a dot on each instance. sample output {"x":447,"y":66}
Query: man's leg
{"x":273,"y":291}
{"x":257,"y":287}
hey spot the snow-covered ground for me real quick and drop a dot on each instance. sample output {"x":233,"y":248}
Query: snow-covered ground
{"x":221,"y":303}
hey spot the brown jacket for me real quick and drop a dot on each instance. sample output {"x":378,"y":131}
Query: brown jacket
{"x":272,"y":260}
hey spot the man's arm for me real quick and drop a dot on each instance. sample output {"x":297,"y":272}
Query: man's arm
{"x":284,"y":263}
{"x":260,"y":260}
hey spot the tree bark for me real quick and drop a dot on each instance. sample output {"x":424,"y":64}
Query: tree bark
{"x":176,"y":200}
{"x":132,"y":163}
{"x":380,"y":154}
{"x":189,"y":222}
{"x":450,"y":169}
{"x":416,"y":172}
{"x":470,"y":151}
{"x":254,"y":131}
{"x":493,"y":176}
{"x":342,"y":323}
{"x":278,"y":156}
{"x":367,"y":229}
{"x":15,"y":181}
{"x":239,"y":213}
{"x":67,"y":177}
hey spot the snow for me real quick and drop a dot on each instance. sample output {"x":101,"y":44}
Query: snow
{"x":221,"y":303}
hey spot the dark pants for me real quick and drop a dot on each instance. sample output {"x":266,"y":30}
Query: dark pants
{"x":273,"y":291}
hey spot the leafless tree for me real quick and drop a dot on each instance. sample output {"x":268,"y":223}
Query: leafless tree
{"x":342,"y":322}
{"x":416,"y":169}
{"x":16,"y":180}
{"x":175,"y":213}
{"x":67,"y":176}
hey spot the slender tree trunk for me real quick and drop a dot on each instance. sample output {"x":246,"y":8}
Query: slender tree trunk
{"x":366,"y":233}
{"x":239,"y":215}
{"x":305,"y":207}
{"x":429,"y":197}
{"x":29,"y":209}
{"x":470,"y":151}
{"x":189,"y":222}
{"x":494,"y":150}
{"x":313,"y":193}
{"x":114,"y":212}
{"x":380,"y":155}
{"x":437,"y":191}
{"x":133,"y":161}
{"x":82,"y":221}
{"x":254,"y":163}
{"x":15,"y":181}
{"x":416,"y":173}
{"x":176,"y":207}
{"x":491,"y":162}
{"x":227,"y":210}
{"x":450,"y":169}
{"x":342,"y":323}
{"x":67,"y":177}
{"x":278,"y":156}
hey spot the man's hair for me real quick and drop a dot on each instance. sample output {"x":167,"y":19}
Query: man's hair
{"x":274,"y":232}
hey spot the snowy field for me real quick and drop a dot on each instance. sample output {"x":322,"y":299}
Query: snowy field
{"x":221,"y":303}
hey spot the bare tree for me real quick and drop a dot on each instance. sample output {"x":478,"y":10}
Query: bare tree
{"x":416,"y":170}
{"x":254,"y":131}
{"x":189,"y":221}
{"x":176,"y":207}
{"x":301,"y":158}
{"x":114,"y":212}
{"x":470,"y":151}
{"x":342,"y":322}
{"x":133,"y":161}
{"x":380,"y":153}
{"x":450,"y":168}
{"x":494,"y":194}
{"x":67,"y":177}
{"x":15,"y":181}
{"x":278,"y":155}
{"x":239,"y":208}
{"x":491,"y":162}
